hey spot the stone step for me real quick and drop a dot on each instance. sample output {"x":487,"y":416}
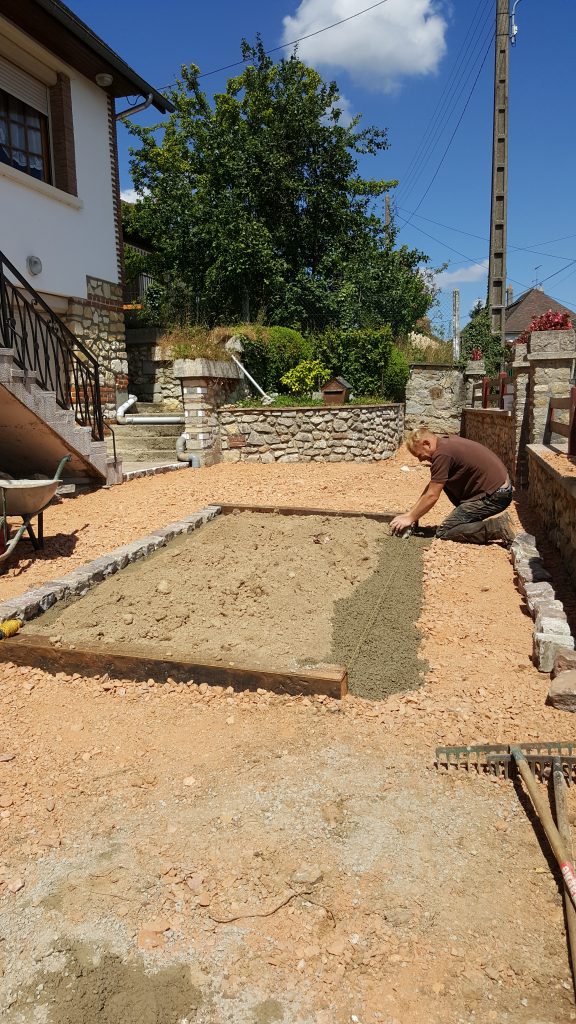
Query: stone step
{"x":145,"y":455}
{"x":148,"y":429}
{"x":152,"y":409}
{"x":165,"y":441}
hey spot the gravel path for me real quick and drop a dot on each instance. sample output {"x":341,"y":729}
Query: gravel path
{"x":364,"y":886}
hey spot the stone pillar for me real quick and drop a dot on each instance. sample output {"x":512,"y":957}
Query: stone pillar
{"x":206,"y":385}
{"x":436,"y":394}
{"x":551,"y":359}
{"x":520,"y":415}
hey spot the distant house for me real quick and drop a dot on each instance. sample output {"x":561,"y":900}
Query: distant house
{"x":60,"y":201}
{"x":534,"y":302}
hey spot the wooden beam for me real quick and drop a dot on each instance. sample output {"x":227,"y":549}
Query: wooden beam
{"x":134,"y":662}
{"x":287,"y":510}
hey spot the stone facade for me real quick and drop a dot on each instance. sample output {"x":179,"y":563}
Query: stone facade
{"x":150,"y":374}
{"x":359,"y":433}
{"x":98,"y":322}
{"x":553,"y":497}
{"x":436,"y":394}
{"x":494,"y":428}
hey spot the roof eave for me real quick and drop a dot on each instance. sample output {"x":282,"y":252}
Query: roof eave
{"x":77,"y":28}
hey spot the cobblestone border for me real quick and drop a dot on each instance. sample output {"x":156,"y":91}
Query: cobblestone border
{"x":136,"y":474}
{"x":77,"y":583}
{"x":551,"y":634}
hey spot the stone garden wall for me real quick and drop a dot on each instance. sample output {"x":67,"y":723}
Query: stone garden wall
{"x":494,"y":428}
{"x":552,"y":495}
{"x":361,"y":433}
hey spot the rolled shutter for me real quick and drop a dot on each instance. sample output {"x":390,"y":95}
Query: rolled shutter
{"x":21,"y":85}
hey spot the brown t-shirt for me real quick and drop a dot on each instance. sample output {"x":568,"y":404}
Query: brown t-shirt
{"x":467,"y":469}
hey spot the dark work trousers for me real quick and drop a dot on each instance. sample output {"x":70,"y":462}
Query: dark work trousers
{"x":470,"y":522}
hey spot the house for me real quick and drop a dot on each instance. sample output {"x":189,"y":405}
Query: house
{"x":533,"y":303}
{"x":62,"y":329}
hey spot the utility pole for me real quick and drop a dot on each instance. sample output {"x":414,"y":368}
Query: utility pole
{"x":499,"y":203}
{"x":456,"y":324}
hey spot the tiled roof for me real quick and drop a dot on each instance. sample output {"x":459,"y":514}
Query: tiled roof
{"x":534,"y":302}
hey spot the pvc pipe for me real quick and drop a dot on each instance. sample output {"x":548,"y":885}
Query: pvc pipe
{"x":250,"y":378}
{"x":131,"y":400}
{"x":183,"y":455}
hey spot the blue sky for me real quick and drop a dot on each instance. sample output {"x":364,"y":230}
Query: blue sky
{"x":410,"y":68}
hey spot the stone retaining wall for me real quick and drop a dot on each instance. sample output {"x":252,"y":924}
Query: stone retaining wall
{"x":98,"y":321}
{"x":150,"y":373}
{"x":496,"y":429}
{"x":314,"y":434}
{"x":553,"y":497}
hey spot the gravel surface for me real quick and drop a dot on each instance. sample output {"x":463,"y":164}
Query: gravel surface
{"x":295,"y":859}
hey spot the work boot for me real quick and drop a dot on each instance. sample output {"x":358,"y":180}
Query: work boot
{"x":499,"y":528}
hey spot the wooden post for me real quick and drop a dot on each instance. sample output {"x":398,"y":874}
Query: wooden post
{"x":485,"y":392}
{"x":572,"y":433}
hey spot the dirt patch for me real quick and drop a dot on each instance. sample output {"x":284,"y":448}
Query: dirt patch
{"x":374,"y":630}
{"x":268,"y":591}
{"x":100,"y":988}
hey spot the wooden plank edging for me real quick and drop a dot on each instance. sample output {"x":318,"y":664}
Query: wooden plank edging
{"x":136,"y":663}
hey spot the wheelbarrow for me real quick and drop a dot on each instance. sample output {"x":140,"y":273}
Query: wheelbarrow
{"x":27,"y":499}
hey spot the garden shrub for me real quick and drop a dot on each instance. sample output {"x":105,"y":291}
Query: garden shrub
{"x":360,"y":355}
{"x":396,"y":376}
{"x":307,"y":376}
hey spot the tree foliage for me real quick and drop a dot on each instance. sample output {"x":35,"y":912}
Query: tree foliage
{"x":256,"y":210}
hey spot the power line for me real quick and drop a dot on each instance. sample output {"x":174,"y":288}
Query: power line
{"x":414,"y":168}
{"x":283,"y":46}
{"x":471,"y":259}
{"x":483,"y":238}
{"x":458,"y":123}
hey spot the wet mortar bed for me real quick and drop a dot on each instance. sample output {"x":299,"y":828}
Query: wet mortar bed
{"x":266,"y":591}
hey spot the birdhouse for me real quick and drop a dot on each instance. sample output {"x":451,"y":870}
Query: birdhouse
{"x":336,"y":391}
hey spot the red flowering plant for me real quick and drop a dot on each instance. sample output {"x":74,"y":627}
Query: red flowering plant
{"x":549,"y":321}
{"x":476,"y":354}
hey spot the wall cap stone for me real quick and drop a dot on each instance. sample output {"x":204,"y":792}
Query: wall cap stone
{"x":206,"y":368}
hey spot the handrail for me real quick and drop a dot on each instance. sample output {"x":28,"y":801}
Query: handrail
{"x":43,"y":345}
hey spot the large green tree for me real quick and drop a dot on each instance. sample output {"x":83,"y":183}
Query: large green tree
{"x":255,"y":207}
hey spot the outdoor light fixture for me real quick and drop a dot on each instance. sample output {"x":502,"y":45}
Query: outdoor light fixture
{"x":103,"y":79}
{"x":34,"y":264}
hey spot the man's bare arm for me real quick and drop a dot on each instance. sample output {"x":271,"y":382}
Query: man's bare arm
{"x":425,"y":502}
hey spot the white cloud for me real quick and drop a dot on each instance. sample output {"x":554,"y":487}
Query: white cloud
{"x":378,"y":49}
{"x":130,"y":195}
{"x":463,"y":276}
{"x":346,"y":111}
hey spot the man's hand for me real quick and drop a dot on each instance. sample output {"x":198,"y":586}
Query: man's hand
{"x":401,"y":523}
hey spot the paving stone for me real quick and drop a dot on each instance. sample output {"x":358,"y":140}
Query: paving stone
{"x":545,"y":648}
{"x":537,"y":591}
{"x":564,"y":661}
{"x":562,"y":692}
{"x":548,"y":623}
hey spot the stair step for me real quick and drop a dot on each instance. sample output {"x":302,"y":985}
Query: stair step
{"x":148,"y":429}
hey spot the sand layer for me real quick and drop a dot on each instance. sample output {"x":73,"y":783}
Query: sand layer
{"x":275,"y":592}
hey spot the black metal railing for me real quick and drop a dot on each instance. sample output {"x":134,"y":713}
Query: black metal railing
{"x":42,"y":343}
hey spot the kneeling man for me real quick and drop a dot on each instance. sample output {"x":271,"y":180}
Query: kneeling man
{"x":475,"y":480}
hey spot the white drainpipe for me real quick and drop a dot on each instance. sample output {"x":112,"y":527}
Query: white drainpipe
{"x":122,"y":418}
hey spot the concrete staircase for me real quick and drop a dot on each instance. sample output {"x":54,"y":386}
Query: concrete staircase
{"x":35,"y":432}
{"x":147,"y":442}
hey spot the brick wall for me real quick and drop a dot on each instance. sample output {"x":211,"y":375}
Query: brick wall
{"x":495,"y":429}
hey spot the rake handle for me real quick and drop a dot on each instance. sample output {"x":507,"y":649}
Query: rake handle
{"x":557,"y":844}
{"x":560,"y":790}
